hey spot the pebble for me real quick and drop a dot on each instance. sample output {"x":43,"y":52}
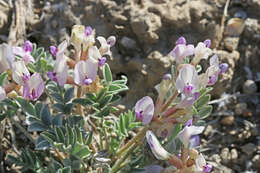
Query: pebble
{"x":231,"y":43}
{"x":225,"y":155}
{"x":228,"y":120}
{"x":256,"y":161}
{"x":234,"y":154}
{"x":249,"y":87}
{"x":235,"y":27}
{"x":240,"y":108}
{"x":128,"y":43}
{"x":249,"y":148}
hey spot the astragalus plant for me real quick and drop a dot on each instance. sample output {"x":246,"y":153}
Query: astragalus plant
{"x":70,"y":104}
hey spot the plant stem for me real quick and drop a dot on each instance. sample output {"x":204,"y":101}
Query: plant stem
{"x":170,"y":101}
{"x":135,"y":139}
{"x":117,"y":166}
{"x":23,"y":130}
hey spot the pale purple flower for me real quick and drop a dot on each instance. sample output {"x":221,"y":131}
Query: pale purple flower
{"x":60,"y":72}
{"x":213,"y":70}
{"x":85,"y":72}
{"x":2,"y":93}
{"x":58,"y":52}
{"x":201,"y":52}
{"x":152,"y":169}
{"x":181,"y":40}
{"x":188,"y":80}
{"x":88,"y":31}
{"x":187,"y":132}
{"x":201,"y":166}
{"x":144,"y":110}
{"x":188,"y":123}
{"x":181,"y":51}
{"x":20,"y":73}
{"x":186,"y":101}
{"x":106,"y":44}
{"x":27,"y":46}
{"x":6,"y":57}
{"x":33,"y":87}
{"x":223,"y":68}
{"x":25,"y":55}
{"x":207,"y":43}
{"x":159,"y":152}
{"x":94,"y":53}
{"x":167,"y":77}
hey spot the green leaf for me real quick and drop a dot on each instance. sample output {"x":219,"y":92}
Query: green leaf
{"x":59,"y":134}
{"x":46,"y":115}
{"x":36,"y":127}
{"x":26,"y":106}
{"x":115,"y":98}
{"x":104,"y":112}
{"x":105,"y":100}
{"x":68,"y":94}
{"x":68,"y":108}
{"x":203,"y":101}
{"x":89,"y":138}
{"x":57,"y":120}
{"x":57,"y":97}
{"x":2,"y":78}
{"x":205,"y":111}
{"x":122,"y":125}
{"x":59,"y":107}
{"x":101,"y":94}
{"x":64,"y":170}
{"x":83,"y":101}
{"x":42,"y":144}
{"x":83,"y":152}
{"x":107,"y":73}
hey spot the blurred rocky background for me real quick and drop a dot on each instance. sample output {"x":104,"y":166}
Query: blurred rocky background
{"x":146,"y":31}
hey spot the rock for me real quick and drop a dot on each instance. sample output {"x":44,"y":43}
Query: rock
{"x":234,"y":154}
{"x":231,"y":43}
{"x":252,"y":27}
{"x":228,"y":120}
{"x":240,"y":108}
{"x":128,"y":43}
{"x":249,"y":87}
{"x":256,"y":161}
{"x":208,"y":130}
{"x":225,"y":155}
{"x":235,"y":27}
{"x":249,"y":148}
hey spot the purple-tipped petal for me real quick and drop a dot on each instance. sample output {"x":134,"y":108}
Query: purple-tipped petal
{"x":167,"y":77}
{"x":207,"y":43}
{"x":159,"y":152}
{"x":34,"y":87}
{"x":52,"y":75}
{"x":187,"y":132}
{"x":88,"y":31}
{"x":2,"y":93}
{"x":188,"y":123}
{"x":207,"y":168}
{"x":223,"y":68}
{"x":181,"y":40}
{"x":101,"y":61}
{"x":212,"y":80}
{"x":20,"y":74}
{"x":144,"y":109}
{"x":111,"y":41}
{"x":85,"y":70}
{"x":87,"y":81}
{"x":28,"y":46}
{"x":194,"y":141}
{"x":53,"y":50}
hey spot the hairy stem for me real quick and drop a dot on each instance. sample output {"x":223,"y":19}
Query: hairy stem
{"x":117,"y":166}
{"x":135,"y":139}
{"x":23,"y":130}
{"x":170,"y":101}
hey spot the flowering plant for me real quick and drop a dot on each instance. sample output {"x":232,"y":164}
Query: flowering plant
{"x":71,"y":108}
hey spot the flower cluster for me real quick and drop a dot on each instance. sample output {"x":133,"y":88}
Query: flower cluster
{"x":85,"y":65}
{"x":185,"y":86}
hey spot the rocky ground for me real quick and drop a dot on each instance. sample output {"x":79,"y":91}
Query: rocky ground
{"x":146,"y":31}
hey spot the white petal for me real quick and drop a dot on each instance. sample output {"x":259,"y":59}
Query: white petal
{"x":2,"y":93}
{"x":19,"y":70}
